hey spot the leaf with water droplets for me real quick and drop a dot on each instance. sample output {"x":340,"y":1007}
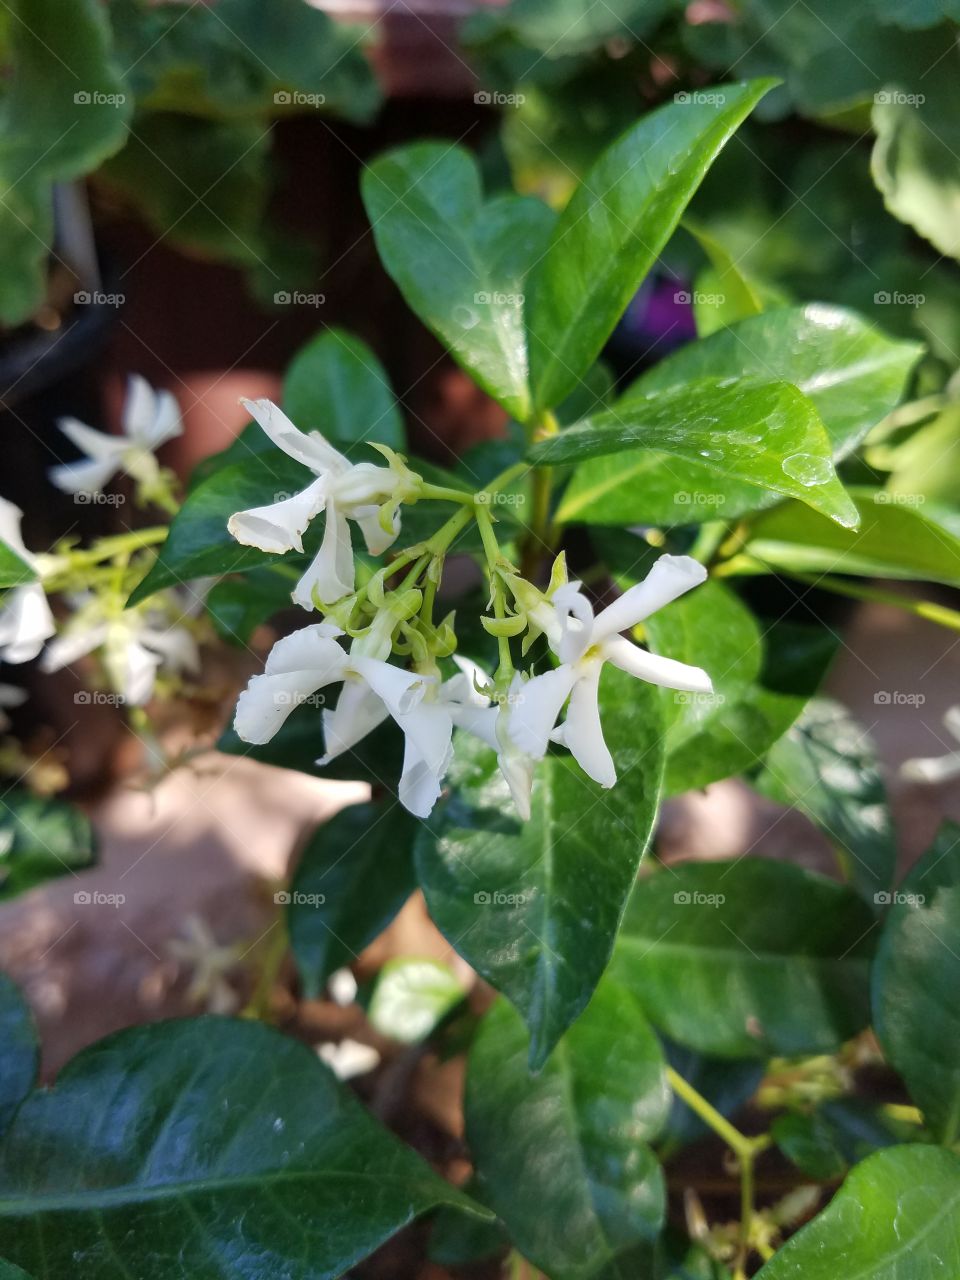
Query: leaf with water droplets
{"x":704,"y":422}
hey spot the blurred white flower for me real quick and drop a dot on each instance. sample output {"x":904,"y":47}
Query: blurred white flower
{"x":208,"y":962}
{"x":349,"y":1058}
{"x":343,"y":490}
{"x":11,"y":695}
{"x":136,"y":645}
{"x":583,"y":644}
{"x":25,"y":617}
{"x":933,"y":769}
{"x":150,"y":419}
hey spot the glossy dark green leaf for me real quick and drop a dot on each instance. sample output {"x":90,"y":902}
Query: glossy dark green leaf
{"x":534,"y":906}
{"x":353,"y":877}
{"x":238,"y":605}
{"x":770,"y":959}
{"x":65,"y":109}
{"x":19,"y":1053}
{"x":198,"y":544}
{"x":9,"y":1272}
{"x":216,"y":1140}
{"x":896,"y":539}
{"x":337,"y":386}
{"x":376,"y":759}
{"x":853,"y":374}
{"x":457,"y":1239}
{"x":614,"y":227}
{"x":916,"y":984}
{"x":826,"y":767}
{"x":461,"y":264}
{"x":762,"y":680}
{"x":40,"y":839}
{"x":766,"y":433}
{"x":895,"y":1218}
{"x":808,"y":1141}
{"x":561,"y":1155}
{"x":560,"y":27}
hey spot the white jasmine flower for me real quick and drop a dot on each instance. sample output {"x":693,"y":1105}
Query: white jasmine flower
{"x":584,"y":643}
{"x":150,"y":419}
{"x":310,"y":659}
{"x":934,"y":769}
{"x":136,"y":644}
{"x":209,"y":963}
{"x":349,"y":1058}
{"x":342,"y":489}
{"x":25,"y":617}
{"x":492,"y":725}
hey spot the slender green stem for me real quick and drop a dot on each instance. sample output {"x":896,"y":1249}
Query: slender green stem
{"x":118,"y":544}
{"x":900,"y":1111}
{"x":540,"y":533}
{"x":492,"y":551}
{"x":707,"y":542}
{"x":746,"y":1150}
{"x":928,"y":609}
{"x":258,"y":1005}
{"x":445,"y":494}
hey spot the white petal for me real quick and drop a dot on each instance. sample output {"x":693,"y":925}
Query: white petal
{"x":951,"y":721}
{"x":71,"y":644}
{"x":654,"y":669}
{"x":349,"y":1058}
{"x":582,"y":732}
{"x":95,"y":444}
{"x":267,"y":701}
{"x":480,"y":721}
{"x":374,"y":535}
{"x":518,"y":768}
{"x":358,"y":712}
{"x":429,"y":726}
{"x":575,"y":616}
{"x":312,"y":450}
{"x":139,"y":410}
{"x":669,"y":578}
{"x":401,"y":690}
{"x":331,"y":573}
{"x":89,"y":476}
{"x":932,"y":769}
{"x":419,"y":788}
{"x":279,"y":526}
{"x":25,"y":623}
{"x":536,"y":708}
{"x":309,"y":649}
{"x":136,"y":674}
{"x":473,"y":675}
{"x":176,"y":647}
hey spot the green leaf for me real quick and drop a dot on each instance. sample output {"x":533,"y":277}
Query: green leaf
{"x":64,"y":110}
{"x":19,"y":1052}
{"x":411,"y":996}
{"x":561,"y":27}
{"x":40,"y":839}
{"x":767,"y":433}
{"x":534,"y":906}
{"x":895,"y":1218}
{"x":615,"y":226}
{"x":227,"y":1144}
{"x":761,"y":681}
{"x":561,"y":1155}
{"x":916,"y":984}
{"x":826,"y":767}
{"x":198,"y":544}
{"x":808,"y":1141}
{"x":238,"y":61}
{"x":354,"y":875}
{"x":14,"y":571}
{"x":460,"y":263}
{"x":914,"y":161}
{"x":337,"y":386}
{"x":376,"y":759}
{"x":237,"y":606}
{"x":895,"y":540}
{"x":770,"y":959}
{"x":735,"y":296}
{"x":853,"y":374}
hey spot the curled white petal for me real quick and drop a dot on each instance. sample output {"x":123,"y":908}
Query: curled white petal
{"x":358,"y":712}
{"x":279,"y":526}
{"x":25,"y":623}
{"x":310,"y":648}
{"x":655,"y":669}
{"x":85,"y":476}
{"x":582,"y":732}
{"x":330,"y":575}
{"x":312,"y":450}
{"x":72,"y":644}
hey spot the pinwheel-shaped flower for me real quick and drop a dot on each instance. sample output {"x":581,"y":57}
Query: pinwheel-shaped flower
{"x":25,"y":618}
{"x":583,"y":644}
{"x":136,"y":645}
{"x":426,"y":709}
{"x":150,"y":419}
{"x":363,"y":492}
